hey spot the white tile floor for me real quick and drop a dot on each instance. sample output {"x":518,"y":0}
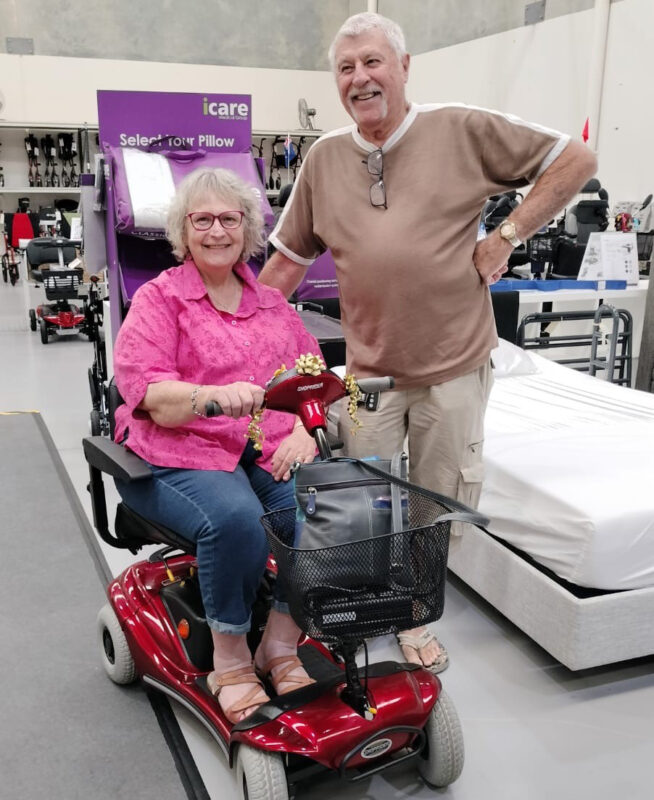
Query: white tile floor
{"x":532,"y":728}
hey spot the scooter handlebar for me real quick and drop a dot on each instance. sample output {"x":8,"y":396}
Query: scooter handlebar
{"x":372,"y":385}
{"x":212,"y":409}
{"x":366,"y":385}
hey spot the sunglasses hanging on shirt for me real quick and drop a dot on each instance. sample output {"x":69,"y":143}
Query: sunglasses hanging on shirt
{"x":375,"y":164}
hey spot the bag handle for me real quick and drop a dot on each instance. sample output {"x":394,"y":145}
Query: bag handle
{"x":175,"y":154}
{"x":466,"y":514}
{"x":398,"y":470}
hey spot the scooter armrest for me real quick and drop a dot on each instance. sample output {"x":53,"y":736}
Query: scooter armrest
{"x":115,"y":460}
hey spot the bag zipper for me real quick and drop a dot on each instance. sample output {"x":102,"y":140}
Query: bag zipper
{"x":312,"y":491}
{"x":311,"y":502}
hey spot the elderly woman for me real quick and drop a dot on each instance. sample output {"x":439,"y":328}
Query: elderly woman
{"x":206,"y":330}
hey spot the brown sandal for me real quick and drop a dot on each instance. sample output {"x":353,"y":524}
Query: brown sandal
{"x":283,"y":675}
{"x":416,"y":642}
{"x":255,"y":697}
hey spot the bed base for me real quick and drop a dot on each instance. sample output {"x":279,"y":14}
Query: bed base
{"x":579,"y":632}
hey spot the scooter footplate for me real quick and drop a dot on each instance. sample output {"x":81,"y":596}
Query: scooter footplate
{"x":317,"y":665}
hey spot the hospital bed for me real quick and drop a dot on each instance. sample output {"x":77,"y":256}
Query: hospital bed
{"x":569,"y":554}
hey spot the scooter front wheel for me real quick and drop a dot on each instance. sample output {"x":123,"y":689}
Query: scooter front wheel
{"x":116,"y":657}
{"x":442,"y":761}
{"x":260,"y":775}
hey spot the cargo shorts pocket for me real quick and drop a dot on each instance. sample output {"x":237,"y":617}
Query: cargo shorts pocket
{"x":471,"y":476}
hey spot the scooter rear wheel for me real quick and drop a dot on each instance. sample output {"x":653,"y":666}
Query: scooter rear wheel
{"x":260,"y":775}
{"x":43,"y":326}
{"x":116,"y":657}
{"x":443,"y":760}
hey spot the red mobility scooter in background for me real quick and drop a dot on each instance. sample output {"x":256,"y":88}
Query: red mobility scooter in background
{"x":60,"y":316}
{"x":353,"y":721}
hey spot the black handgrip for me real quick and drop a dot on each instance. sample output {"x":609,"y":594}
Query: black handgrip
{"x":212,"y":409}
{"x":372,"y":385}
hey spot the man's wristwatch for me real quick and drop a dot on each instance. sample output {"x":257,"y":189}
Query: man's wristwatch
{"x":507,"y":231}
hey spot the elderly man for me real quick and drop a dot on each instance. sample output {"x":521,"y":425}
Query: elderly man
{"x":397,"y":197}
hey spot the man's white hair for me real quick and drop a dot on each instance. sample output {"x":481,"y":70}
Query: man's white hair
{"x":368,"y":21}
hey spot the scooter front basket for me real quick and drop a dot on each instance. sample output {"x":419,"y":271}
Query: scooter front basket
{"x":370,"y":586}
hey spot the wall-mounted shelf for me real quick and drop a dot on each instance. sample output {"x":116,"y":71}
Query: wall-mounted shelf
{"x":27,"y":190}
{"x":15,"y":162}
{"x":49,"y":126}
{"x":256,"y":134}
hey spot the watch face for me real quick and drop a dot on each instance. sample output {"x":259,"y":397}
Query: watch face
{"x":507,"y":229}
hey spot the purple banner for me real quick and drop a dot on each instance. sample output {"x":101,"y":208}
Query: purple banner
{"x":213,"y":122}
{"x":210,"y":125}
{"x":320,"y":281}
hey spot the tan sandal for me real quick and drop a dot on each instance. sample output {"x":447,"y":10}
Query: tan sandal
{"x":255,"y":697}
{"x":417,"y":642}
{"x":284,"y":675}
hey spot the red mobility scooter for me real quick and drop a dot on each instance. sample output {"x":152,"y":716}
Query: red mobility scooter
{"x":354,"y":721}
{"x":59,"y":316}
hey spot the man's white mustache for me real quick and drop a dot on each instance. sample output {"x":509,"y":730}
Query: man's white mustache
{"x":371,"y":87}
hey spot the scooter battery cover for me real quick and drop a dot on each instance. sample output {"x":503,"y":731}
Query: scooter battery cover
{"x":183,"y":602}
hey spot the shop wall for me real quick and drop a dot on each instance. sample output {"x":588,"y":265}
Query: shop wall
{"x":431,"y":24}
{"x":626,"y":140}
{"x":541,"y":73}
{"x":280,"y":34}
{"x":63,"y":90}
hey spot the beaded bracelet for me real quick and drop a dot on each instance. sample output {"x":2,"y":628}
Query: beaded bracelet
{"x":194,"y":402}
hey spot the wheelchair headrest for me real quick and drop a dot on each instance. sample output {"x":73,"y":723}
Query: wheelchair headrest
{"x":45,"y":250}
{"x":592,"y":187}
{"x":589,"y":211}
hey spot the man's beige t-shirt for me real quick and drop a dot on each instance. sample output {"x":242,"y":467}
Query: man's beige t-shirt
{"x":412,"y":303}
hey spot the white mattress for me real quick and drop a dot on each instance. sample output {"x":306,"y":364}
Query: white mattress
{"x":569,"y":475}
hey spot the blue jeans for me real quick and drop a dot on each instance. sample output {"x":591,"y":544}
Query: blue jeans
{"x":220,"y":512}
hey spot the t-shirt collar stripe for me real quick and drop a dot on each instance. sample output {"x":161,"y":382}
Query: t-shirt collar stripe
{"x":397,"y":134}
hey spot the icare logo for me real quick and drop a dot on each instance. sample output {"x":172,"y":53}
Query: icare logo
{"x":224,"y":110}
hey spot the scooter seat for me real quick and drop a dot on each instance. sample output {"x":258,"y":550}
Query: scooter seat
{"x":131,"y":526}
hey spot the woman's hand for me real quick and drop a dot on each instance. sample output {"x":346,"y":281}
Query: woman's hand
{"x":299,"y":446}
{"x":174,"y":403}
{"x":240,"y":399}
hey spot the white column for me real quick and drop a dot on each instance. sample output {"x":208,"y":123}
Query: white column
{"x":596,"y":69}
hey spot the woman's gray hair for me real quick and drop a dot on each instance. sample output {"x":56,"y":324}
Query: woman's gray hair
{"x":226,"y":185}
{"x":368,"y":21}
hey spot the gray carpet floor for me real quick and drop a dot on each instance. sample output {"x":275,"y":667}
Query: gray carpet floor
{"x":67,"y":732}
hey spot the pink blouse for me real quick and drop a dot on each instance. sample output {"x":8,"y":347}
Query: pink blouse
{"x":172,"y":332}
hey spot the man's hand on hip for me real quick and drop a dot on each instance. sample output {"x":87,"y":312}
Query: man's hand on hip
{"x":490,"y":258}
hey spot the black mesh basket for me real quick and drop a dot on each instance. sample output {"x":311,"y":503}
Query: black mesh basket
{"x":367,"y":587}
{"x":540,"y":248}
{"x":62,"y":284}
